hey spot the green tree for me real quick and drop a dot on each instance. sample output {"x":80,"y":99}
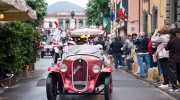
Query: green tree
{"x":19,"y":44}
{"x":40,"y":6}
{"x":94,"y":10}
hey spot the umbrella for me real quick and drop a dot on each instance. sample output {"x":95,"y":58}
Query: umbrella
{"x":16,"y":10}
{"x":87,"y":31}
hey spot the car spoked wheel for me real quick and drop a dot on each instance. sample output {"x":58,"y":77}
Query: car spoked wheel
{"x":108,"y":88}
{"x":51,"y":87}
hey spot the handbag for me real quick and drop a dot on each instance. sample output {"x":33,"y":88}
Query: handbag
{"x":157,"y":55}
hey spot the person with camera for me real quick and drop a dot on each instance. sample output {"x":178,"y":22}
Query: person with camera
{"x":161,"y":38}
{"x":142,"y":53}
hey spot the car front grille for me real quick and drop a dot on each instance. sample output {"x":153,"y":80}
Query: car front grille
{"x":80,"y":74}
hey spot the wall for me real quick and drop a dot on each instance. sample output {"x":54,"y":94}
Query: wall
{"x":133,"y":17}
{"x":161,"y":6}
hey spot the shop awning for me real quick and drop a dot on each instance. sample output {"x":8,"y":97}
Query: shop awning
{"x":86,"y":31}
{"x":16,"y":10}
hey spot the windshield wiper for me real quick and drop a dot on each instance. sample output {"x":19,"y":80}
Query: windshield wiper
{"x":77,"y":51}
{"x":94,"y":52}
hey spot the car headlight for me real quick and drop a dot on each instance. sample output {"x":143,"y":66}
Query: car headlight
{"x":95,"y":69}
{"x":63,"y":68}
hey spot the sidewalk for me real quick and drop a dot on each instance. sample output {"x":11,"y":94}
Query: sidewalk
{"x":153,"y":83}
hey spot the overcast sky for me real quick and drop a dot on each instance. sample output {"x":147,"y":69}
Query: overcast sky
{"x":81,"y":3}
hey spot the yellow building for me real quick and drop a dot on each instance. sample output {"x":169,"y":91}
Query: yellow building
{"x":154,"y":15}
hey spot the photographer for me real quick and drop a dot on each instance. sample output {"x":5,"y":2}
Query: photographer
{"x":142,"y":53}
{"x":160,"y":38}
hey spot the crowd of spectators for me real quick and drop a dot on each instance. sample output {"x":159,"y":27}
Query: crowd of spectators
{"x":160,"y":49}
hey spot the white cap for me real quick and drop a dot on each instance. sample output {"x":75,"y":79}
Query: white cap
{"x":72,"y":42}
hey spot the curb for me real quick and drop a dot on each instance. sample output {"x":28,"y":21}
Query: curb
{"x":176,"y":96}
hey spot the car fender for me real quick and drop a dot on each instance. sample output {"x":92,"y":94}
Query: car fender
{"x":107,"y":69}
{"x":54,"y":69}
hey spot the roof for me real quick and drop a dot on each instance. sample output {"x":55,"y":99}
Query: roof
{"x":64,"y":6}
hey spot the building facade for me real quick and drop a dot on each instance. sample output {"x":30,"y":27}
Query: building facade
{"x":154,"y":15}
{"x":63,"y":18}
{"x":173,"y":12}
{"x":118,"y":26}
{"x":134,"y":23}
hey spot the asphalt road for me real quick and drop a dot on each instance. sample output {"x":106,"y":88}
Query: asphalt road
{"x":125,"y":87}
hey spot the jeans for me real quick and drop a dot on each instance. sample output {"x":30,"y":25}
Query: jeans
{"x":159,"y":68}
{"x":118,"y":57}
{"x":141,"y":58}
{"x":151,"y":60}
{"x":174,"y":74}
{"x":164,"y":65}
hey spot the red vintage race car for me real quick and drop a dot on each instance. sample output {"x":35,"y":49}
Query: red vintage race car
{"x":83,"y":70}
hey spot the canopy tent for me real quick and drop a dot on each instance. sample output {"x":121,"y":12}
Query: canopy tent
{"x":86,"y":31}
{"x":16,"y":10}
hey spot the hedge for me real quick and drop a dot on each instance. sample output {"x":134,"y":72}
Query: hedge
{"x":19,"y":45}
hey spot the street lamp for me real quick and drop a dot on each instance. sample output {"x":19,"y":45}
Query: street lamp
{"x":1,"y":15}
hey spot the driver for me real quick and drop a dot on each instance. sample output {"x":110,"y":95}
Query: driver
{"x":100,"y":48}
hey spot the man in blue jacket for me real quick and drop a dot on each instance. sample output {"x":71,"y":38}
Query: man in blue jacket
{"x":142,"y":53}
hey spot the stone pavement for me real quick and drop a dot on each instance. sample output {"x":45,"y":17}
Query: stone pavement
{"x":154,"y":83}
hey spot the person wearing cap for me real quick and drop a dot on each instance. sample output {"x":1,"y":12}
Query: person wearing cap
{"x":174,"y":59}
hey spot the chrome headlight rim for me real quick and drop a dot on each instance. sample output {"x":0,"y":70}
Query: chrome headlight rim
{"x":63,"y":68}
{"x":96,"y":69}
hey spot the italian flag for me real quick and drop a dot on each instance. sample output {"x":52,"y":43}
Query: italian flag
{"x":121,"y":10}
{"x":105,"y":22}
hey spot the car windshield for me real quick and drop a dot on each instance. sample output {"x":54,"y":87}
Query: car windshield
{"x":84,"y":49}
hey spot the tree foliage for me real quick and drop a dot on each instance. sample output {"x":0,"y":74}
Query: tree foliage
{"x":94,"y":10}
{"x":19,"y":44}
{"x":40,"y":6}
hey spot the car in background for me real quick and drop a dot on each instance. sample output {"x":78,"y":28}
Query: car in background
{"x":46,"y":49}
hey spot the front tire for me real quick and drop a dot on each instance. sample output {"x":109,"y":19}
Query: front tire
{"x":108,"y":87}
{"x":51,"y":87}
